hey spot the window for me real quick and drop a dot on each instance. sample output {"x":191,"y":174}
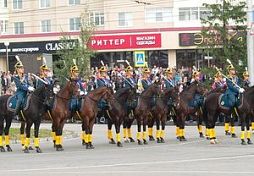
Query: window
{"x":124,"y":19}
{"x":3,"y":26}
{"x":74,"y":2}
{"x":96,"y":18}
{"x":204,"y":13}
{"x":74,"y":24}
{"x":192,"y":13}
{"x":5,"y":3}
{"x":17,"y":4}
{"x":46,"y":26}
{"x":44,"y":3}
{"x":159,"y":15}
{"x":19,"y":27}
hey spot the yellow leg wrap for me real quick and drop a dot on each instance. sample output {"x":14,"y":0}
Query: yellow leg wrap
{"x":138,"y":135}
{"x":183,"y":132}
{"x":177,"y":132}
{"x":124,"y":133}
{"x":158,"y":133}
{"x":36,"y":142}
{"x":53,"y":135}
{"x":7,"y":140}
{"x":232,"y":130}
{"x":200,"y":129}
{"x":129,"y":133}
{"x":57,"y":140}
{"x":90,"y":138}
{"x":82,"y":136}
{"x":22,"y":139}
{"x":86,"y":138}
{"x":110,"y":134}
{"x":1,"y":141}
{"x":248,"y":134}
{"x":61,"y":140}
{"x":226,"y":126}
{"x":252,"y":126}
{"x":150,"y":131}
{"x":207,"y":131}
{"x":162,"y":134}
{"x":144,"y":135}
{"x":27,"y":143}
{"x":211,"y":133}
{"x":242,"y":135}
{"x":118,"y":137}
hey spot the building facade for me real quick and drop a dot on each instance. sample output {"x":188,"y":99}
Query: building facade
{"x":167,"y":32}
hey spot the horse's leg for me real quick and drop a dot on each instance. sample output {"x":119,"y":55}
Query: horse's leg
{"x":199,"y":125}
{"x":110,"y":133}
{"x":181,"y":127}
{"x":125,"y":137}
{"x":129,"y":123}
{"x":163,"y":124}
{"x":150,"y":128}
{"x":117,"y":127}
{"x":6,"y":133}
{"x":86,"y":131}
{"x":144,"y":128}
{"x":248,"y":129}
{"x":58,"y":127}
{"x":232,"y":123}
{"x":158,"y":132}
{"x":53,"y":133}
{"x":22,"y":133}
{"x":176,"y":122}
{"x":28,"y":134}
{"x":90,"y":137}
{"x":36,"y":135}
{"x":1,"y":133}
{"x":226,"y":125}
{"x":139,"y":130}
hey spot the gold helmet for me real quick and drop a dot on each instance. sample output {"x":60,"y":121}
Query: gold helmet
{"x":19,"y":64}
{"x":103,"y":69}
{"x":44,"y":67}
{"x":195,"y":73}
{"x":218,"y":74}
{"x":246,"y":73}
{"x":74,"y":67}
{"x":146,"y":70}
{"x":169,"y":71}
{"x":230,"y":66}
{"x":129,"y":68}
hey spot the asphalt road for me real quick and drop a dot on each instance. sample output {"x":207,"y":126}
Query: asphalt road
{"x":193,"y":157}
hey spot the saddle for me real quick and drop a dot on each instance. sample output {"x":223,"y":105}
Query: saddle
{"x":226,"y":102}
{"x":75,"y":104}
{"x":12,"y":103}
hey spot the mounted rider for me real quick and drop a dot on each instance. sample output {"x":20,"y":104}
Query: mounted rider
{"x":146,"y":81}
{"x":44,"y":75}
{"x":129,"y":81}
{"x":169,"y":81}
{"x":22,"y":84}
{"x":246,"y":81}
{"x":218,"y":83}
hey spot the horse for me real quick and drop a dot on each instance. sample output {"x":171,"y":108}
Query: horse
{"x":89,"y":111}
{"x":245,"y":111}
{"x":60,"y":111}
{"x":118,"y":112}
{"x":31,"y":114}
{"x":143,"y":111}
{"x":160,"y":112}
{"x":183,"y":108}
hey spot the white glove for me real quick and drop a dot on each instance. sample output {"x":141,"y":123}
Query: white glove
{"x":31,"y":89}
{"x":241,"y":90}
{"x":81,"y":93}
{"x":56,"y":90}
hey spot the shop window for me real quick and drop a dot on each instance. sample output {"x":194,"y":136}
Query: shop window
{"x":5,"y":4}
{"x":193,"y":13}
{"x":74,"y":2}
{"x":19,"y":27}
{"x":96,"y":18}
{"x":17,"y":4}
{"x":124,"y":19}
{"x":46,"y":26}
{"x":75,"y":24}
{"x":157,"y":58}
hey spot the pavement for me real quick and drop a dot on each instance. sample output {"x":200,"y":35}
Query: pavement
{"x":194,"y":157}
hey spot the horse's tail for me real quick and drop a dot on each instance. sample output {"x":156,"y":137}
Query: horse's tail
{"x":204,"y":109}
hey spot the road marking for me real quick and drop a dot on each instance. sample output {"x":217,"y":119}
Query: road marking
{"x":132,"y":164}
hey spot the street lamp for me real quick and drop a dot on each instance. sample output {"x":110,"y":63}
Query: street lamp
{"x":7,"y":56}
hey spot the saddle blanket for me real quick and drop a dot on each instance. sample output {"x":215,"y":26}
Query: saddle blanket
{"x":12,"y":103}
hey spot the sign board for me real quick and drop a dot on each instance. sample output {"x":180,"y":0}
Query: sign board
{"x":137,"y":41}
{"x":208,"y":57}
{"x":139,"y":58}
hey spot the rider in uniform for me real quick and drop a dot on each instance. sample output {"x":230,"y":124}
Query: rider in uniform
{"x":169,"y":80}
{"x":232,"y":93}
{"x":218,"y":83}
{"x":246,"y":81}
{"x":146,"y":81}
{"x":44,"y":75}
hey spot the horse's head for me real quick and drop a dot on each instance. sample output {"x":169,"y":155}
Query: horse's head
{"x":200,"y":89}
{"x":70,"y":89}
{"x":155,"y":88}
{"x":49,"y":93}
{"x":108,"y":94}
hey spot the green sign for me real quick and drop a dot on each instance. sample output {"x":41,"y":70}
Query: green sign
{"x":139,"y":58}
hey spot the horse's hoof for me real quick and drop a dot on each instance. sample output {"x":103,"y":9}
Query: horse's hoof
{"x":91,"y":145}
{"x":145,"y":142}
{"x":201,"y":135}
{"x":38,"y":149}
{"x":243,"y":142}
{"x":216,"y":141}
{"x":119,"y":144}
{"x":8,"y":148}
{"x":139,"y":142}
{"x":2,"y":149}
{"x":212,"y":141}
{"x":131,"y":139}
{"x":112,"y":141}
{"x":227,"y":133}
{"x":183,"y":138}
{"x":87,"y":146}
{"x":59,"y":148}
{"x":208,"y":138}
{"x":233,"y":135}
{"x":54,"y":142}
{"x":30,"y":148}
{"x":26,"y":150}
{"x":83,"y":142}
{"x":151,"y":138}
{"x":249,"y":142}
{"x":162,"y":140}
{"x":178,"y":137}
{"x":126,"y":140}
{"x":158,"y":140}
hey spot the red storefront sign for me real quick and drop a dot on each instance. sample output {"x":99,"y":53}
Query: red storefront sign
{"x":125,"y":41}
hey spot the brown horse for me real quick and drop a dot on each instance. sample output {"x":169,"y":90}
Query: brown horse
{"x":60,"y":111}
{"x":183,"y":108}
{"x":143,"y":111}
{"x":89,"y":111}
{"x":160,"y":112}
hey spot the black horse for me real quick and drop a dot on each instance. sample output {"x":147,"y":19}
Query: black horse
{"x":119,"y":108}
{"x":31,"y":114}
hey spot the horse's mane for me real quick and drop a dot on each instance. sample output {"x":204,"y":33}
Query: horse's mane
{"x":148,"y":88}
{"x":121,"y":91}
{"x":38,"y":90}
{"x":187,"y":88}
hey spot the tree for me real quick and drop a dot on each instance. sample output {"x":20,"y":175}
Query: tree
{"x":79,"y":51}
{"x":225,"y":31}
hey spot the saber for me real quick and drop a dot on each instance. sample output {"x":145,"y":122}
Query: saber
{"x":126,"y":80}
{"x":228,"y":78}
{"x":37,"y":77}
